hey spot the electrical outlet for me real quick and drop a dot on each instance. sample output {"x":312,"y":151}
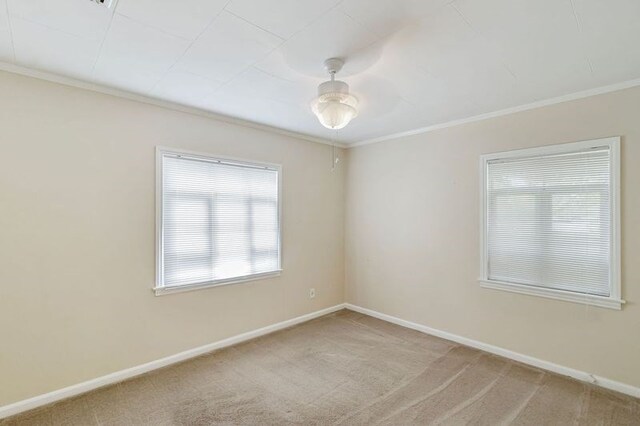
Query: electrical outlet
{"x":312,"y":293}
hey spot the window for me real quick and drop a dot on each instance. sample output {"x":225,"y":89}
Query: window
{"x":550,"y":222}
{"x":218,"y":221}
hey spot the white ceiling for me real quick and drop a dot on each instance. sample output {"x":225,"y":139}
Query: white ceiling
{"x":412,"y":63}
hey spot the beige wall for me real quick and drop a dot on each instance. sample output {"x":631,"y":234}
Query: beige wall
{"x":77,"y":245}
{"x":413,"y":226}
{"x":77,"y":185}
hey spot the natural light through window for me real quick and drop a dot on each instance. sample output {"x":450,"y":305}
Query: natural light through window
{"x":218,"y":220}
{"x":549,"y":222}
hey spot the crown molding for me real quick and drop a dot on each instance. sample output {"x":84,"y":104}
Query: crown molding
{"x":538,"y":104}
{"x":68,"y":81}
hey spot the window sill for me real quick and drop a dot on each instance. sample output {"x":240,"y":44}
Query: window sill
{"x":161,"y":291}
{"x":587,"y":299}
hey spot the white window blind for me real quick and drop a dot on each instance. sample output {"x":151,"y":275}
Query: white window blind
{"x":549,"y":219}
{"x":219,"y":220}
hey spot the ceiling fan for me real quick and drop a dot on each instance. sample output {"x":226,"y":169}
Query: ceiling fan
{"x":335,"y":107}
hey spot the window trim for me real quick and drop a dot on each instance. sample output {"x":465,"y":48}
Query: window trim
{"x":614,"y":300}
{"x":161,"y":289}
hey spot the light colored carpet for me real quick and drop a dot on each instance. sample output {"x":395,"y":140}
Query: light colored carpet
{"x":348,"y":369}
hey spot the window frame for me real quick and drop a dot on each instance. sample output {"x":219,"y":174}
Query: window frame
{"x":614,"y":300}
{"x":161,"y":289}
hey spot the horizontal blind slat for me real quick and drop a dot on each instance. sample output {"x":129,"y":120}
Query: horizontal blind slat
{"x":220,"y":220}
{"x":548,"y":221}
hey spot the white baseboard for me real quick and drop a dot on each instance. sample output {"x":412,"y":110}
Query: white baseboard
{"x":118,"y":376}
{"x":525,"y":359}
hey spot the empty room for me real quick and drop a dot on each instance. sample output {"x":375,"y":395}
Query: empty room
{"x":319,"y":212}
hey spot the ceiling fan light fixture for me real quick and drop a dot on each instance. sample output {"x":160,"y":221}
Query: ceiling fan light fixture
{"x":335,"y":107}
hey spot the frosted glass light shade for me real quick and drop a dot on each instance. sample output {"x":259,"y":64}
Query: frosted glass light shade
{"x":334,"y":106}
{"x":334,"y":114}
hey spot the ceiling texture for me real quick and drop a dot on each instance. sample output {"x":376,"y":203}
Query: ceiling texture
{"x":411,"y":63}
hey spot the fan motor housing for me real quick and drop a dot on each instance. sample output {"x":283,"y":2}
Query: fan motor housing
{"x":333,"y":86}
